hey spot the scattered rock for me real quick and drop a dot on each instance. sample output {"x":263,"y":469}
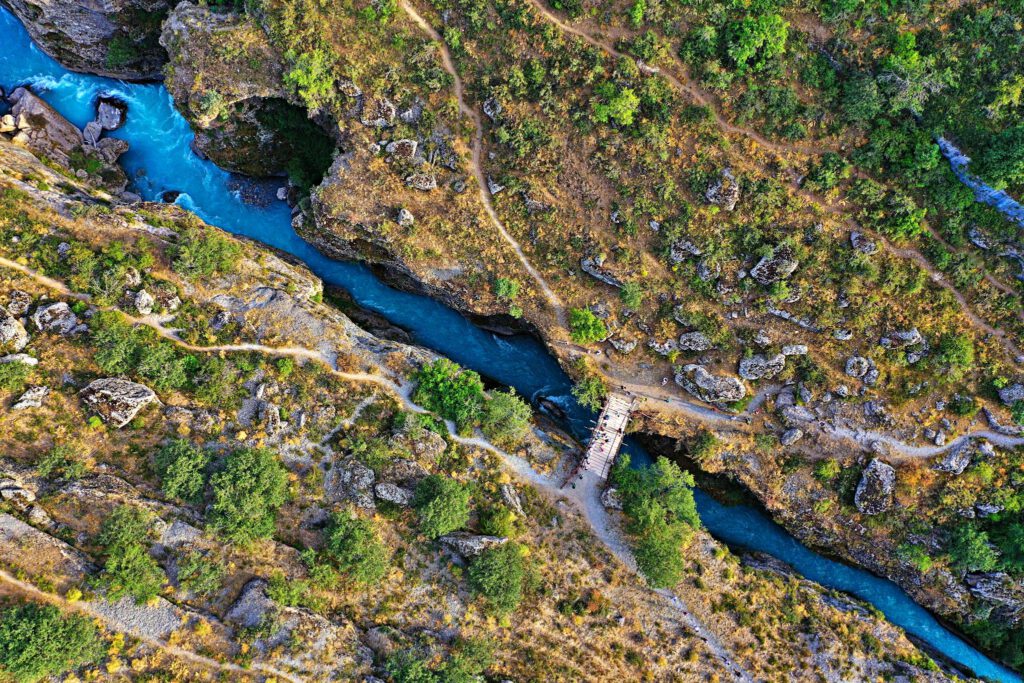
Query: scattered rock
{"x":857,"y":366}
{"x":13,"y":336}
{"x":512,"y":500}
{"x":56,"y":318}
{"x":18,"y":302}
{"x":694,"y":341}
{"x":117,"y":401}
{"x":493,"y":186}
{"x":32,"y":398}
{"x":406,"y":472}
{"x":405,"y":218}
{"x":143,"y":302}
{"x":393,"y":493}
{"x":708,"y":387}
{"x":492,"y":107}
{"x":780,"y":265}
{"x":794,"y":350}
{"x":1008,"y":394}
{"x":761,"y":367}
{"x":19,"y":358}
{"x":351,"y":481}
{"x":724,"y":192}
{"x":956,"y":459}
{"x":592,"y":267}
{"x":862,"y":243}
{"x":791,"y":436}
{"x":875,"y":490}
{"x":902,"y":338}
{"x":422,"y":181}
{"x":610,"y":498}
{"x":623,"y":346}
{"x":402,"y":149}
{"x":470,"y":545}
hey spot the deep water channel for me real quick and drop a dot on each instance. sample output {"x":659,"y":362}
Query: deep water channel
{"x":160,"y":160}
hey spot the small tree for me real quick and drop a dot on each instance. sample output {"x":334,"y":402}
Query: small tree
{"x":37,"y":641}
{"x":969,"y":550}
{"x":456,"y":394}
{"x":506,"y":419}
{"x":441,"y":504}
{"x":129,"y":570}
{"x":499,"y":574}
{"x":632,"y":295}
{"x":955,"y":349}
{"x":585,"y":327}
{"x":355,"y":547}
{"x":247,"y":495}
{"x":181,"y":467}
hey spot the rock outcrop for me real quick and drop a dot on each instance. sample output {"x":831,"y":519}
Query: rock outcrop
{"x":759,"y":366}
{"x":708,"y":387}
{"x":779,"y":266}
{"x":111,"y":38}
{"x":470,"y":545}
{"x":875,"y":490}
{"x":117,"y":401}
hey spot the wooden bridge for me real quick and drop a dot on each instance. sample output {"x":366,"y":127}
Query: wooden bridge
{"x":607,"y":437}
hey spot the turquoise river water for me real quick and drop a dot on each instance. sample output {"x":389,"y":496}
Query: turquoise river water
{"x":160,"y":159}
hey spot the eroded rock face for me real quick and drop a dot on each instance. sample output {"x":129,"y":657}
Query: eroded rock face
{"x":1001,"y":591}
{"x":470,"y":545}
{"x":778,"y":266}
{"x":761,"y":367}
{"x":708,"y":387}
{"x":13,"y":336}
{"x":875,"y":490}
{"x":111,"y":38}
{"x":117,"y":401}
{"x":41,"y":129}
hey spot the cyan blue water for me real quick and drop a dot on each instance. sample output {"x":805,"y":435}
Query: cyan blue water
{"x":160,"y":160}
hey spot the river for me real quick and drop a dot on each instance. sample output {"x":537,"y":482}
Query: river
{"x":160,"y":159}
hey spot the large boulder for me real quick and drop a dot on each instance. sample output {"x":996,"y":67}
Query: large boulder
{"x":350,"y":481}
{"x":470,"y":545}
{"x":724,"y":191}
{"x":1012,"y":393}
{"x":759,"y":366}
{"x":13,"y":336}
{"x":110,"y":112}
{"x":117,"y":401}
{"x":875,"y":490}
{"x":778,"y":266}
{"x":708,"y":387}
{"x":32,"y":398}
{"x":393,"y":493}
{"x":42,"y":130}
{"x":694,"y":341}
{"x":56,"y":318}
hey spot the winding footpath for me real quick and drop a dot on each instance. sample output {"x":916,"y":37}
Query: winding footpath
{"x":477,"y":163}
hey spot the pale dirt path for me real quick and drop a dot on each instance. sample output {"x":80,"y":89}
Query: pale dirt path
{"x":173,"y":650}
{"x":686,"y":85}
{"x":477,"y":165}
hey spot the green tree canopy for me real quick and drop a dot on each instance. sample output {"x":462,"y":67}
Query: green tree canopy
{"x":455,"y":394}
{"x":181,"y":467}
{"x":128,"y":569}
{"x":37,"y":641}
{"x":442,"y":505}
{"x":355,"y":547}
{"x":499,"y":575}
{"x":506,"y":418}
{"x":247,"y":494}
{"x":585,"y":327}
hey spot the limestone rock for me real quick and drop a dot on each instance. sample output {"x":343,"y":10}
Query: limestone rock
{"x":592,"y":267}
{"x":794,"y":350}
{"x":708,"y":387}
{"x":694,"y":341}
{"x":791,"y":436}
{"x":470,"y":545}
{"x":13,"y":336}
{"x":761,"y":367}
{"x":110,"y":112}
{"x":379,"y":112}
{"x":143,"y":302}
{"x":18,"y":302}
{"x":41,"y":129}
{"x":393,"y":493}
{"x":56,"y":318}
{"x":117,"y":401}
{"x":862,"y":243}
{"x":19,"y":358}
{"x":1002,"y":591}
{"x":422,"y":181}
{"x":1008,"y":394}
{"x":252,"y":606}
{"x":32,"y":398}
{"x":511,"y":498}
{"x":875,"y":490}
{"x":406,"y":472}
{"x":780,"y":265}
{"x":405,"y":218}
{"x":402,"y":149}
{"x":857,"y":366}
{"x":724,"y":192}
{"x":350,"y":481}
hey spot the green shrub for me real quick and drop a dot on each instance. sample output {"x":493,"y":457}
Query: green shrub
{"x":955,"y":349}
{"x":247,"y":494}
{"x":355,"y":548}
{"x":658,"y":500}
{"x":128,"y":569}
{"x":121,"y":50}
{"x":632,"y":295}
{"x":585,"y":327}
{"x":63,"y":461}
{"x":506,"y":289}
{"x":499,"y":575}
{"x":13,"y":376}
{"x":506,"y":418}
{"x":199,"y":574}
{"x":827,"y":470}
{"x":455,"y":394}
{"x":181,"y":467}
{"x":969,"y":549}
{"x":38,"y":641}
{"x":441,"y":504}
{"x":204,"y":252}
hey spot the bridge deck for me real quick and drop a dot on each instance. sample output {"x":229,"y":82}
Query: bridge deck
{"x":607,"y":437}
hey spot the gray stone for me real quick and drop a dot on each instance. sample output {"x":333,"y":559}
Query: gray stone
{"x":610,"y":498}
{"x":56,"y":318}
{"x":143,"y":302}
{"x":623,"y":346}
{"x":492,"y":107}
{"x":794,"y":350}
{"x":110,"y":113}
{"x":470,"y":545}
{"x":378,"y":113}
{"x":92,"y":132}
{"x":1002,"y":591}
{"x":874,"y":493}
{"x":761,"y":367}
{"x":252,"y":606}
{"x":393,"y":493}
{"x":117,"y":401}
{"x":18,"y":302}
{"x":708,"y":387}
{"x":402,"y":149}
{"x":902,"y":338}
{"x":862,"y":243}
{"x":32,"y":398}
{"x":19,"y":358}
{"x":724,"y":191}
{"x":511,"y":498}
{"x":956,"y":459}
{"x":350,"y":481}
{"x":1008,"y":394}
{"x":791,"y":436}
{"x":405,"y":218}
{"x":592,"y":267}
{"x":13,"y":336}
{"x":422,"y":181}
{"x":694,"y":341}
{"x":780,"y":265}
{"x":856,"y":366}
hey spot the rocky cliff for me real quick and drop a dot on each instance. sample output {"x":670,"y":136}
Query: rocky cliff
{"x":112,"y":38}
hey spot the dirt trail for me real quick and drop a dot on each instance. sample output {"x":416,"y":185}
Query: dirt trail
{"x":173,"y":650}
{"x":477,"y":164}
{"x":686,"y":85}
